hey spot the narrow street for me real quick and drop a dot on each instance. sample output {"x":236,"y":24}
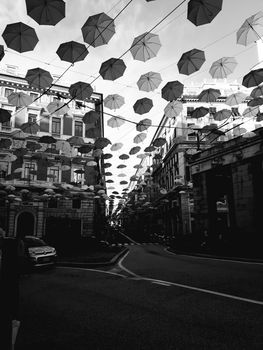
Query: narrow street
{"x":151,"y":299}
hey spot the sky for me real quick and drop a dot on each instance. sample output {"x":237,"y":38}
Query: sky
{"x":176,"y":33}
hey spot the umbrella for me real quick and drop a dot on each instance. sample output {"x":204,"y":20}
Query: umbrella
{"x":257,"y":91}
{"x":107,"y":165}
{"x":20,"y":37}
{"x":149,"y":149}
{"x":112,"y":69}
{"x":121,"y":166}
{"x":85,"y":149}
{"x":143,"y":105}
{"x":57,"y":108}
{"x":79,"y":171}
{"x":201,"y":12}
{"x":33,"y":146}
{"x":138,"y":166}
{"x":92,"y":133}
{"x":134,"y":150}
{"x":157,"y":156}
{"x":159,"y":142}
{"x":251,"y":30}
{"x":46,"y":12}
{"x":235,"y":99}
{"x":72,"y":52}
{"x":249,"y":134}
{"x":123,"y":182}
{"x":255,"y":102}
{"x":30,"y":128}
{"x":209,"y":95}
{"x":102,"y":142}
{"x":47,"y":139}
{"x":253,"y":78}
{"x":122,"y":175}
{"x":139,"y":138}
{"x":115,"y":122}
{"x":18,"y":170}
{"x":110,"y":182}
{"x":107,"y":156}
{"x":149,"y":81}
{"x":4,"y":115}
{"x":80,"y":90}
{"x":114,"y":101}
{"x":2,"y":52}
{"x":116,"y":146}
{"x":63,"y":146}
{"x":108,"y":173}
{"x":5,"y":143}
{"x":19,"y":99}
{"x":76,"y":140}
{"x":199,"y":112}
{"x":124,"y":156}
{"x":90,"y":117}
{"x":251,"y":112}
{"x":173,"y":109}
{"x":222,"y":114}
{"x":145,"y":46}
{"x":38,"y":78}
{"x":221,"y":68}
{"x":97,"y":152}
{"x":191,"y":61}
{"x":143,"y":124}
{"x":98,"y":29}
{"x":172,"y":90}
{"x":134,"y":178}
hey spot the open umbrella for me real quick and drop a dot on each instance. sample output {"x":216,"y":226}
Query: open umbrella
{"x":90,"y":117}
{"x":142,"y":155}
{"x":257,"y":92}
{"x":116,"y":146}
{"x":124,"y":156}
{"x":143,"y":125}
{"x":222,"y":114}
{"x":159,"y":142}
{"x":72,"y":51}
{"x":221,"y":68}
{"x":107,"y":165}
{"x":138,"y":166}
{"x":97,"y":153}
{"x":251,"y":30}
{"x":57,"y":108}
{"x":123,"y":182}
{"x":191,"y":61}
{"x":201,"y":12}
{"x":253,"y":78}
{"x":145,"y":46}
{"x":112,"y":69}
{"x":149,"y":81}
{"x":209,"y":95}
{"x":85,"y":148}
{"x":65,"y":167}
{"x":235,"y":99}
{"x":91,"y":163}
{"x":251,"y":112}
{"x":140,"y":137}
{"x":199,"y":112}
{"x":108,"y":173}
{"x":98,"y":29}
{"x":134,"y":150}
{"x":80,"y":90}
{"x":149,"y":149}
{"x":2,"y":52}
{"x":255,"y":102}
{"x":20,"y":37}
{"x":92,"y":133}
{"x":107,"y":156}
{"x":110,"y":182}
{"x":143,"y":105}
{"x":114,"y":101}
{"x":121,"y":166}
{"x":172,"y":90}
{"x":47,"y":139}
{"x":30,"y":128}
{"x":102,"y":142}
{"x":38,"y":78}
{"x":4,"y":115}
{"x":76,"y":140}
{"x":115,"y":122}
{"x":122,"y":175}
{"x":46,"y":12}
{"x":173,"y":109}
{"x":63,"y":146}
{"x":19,"y":99}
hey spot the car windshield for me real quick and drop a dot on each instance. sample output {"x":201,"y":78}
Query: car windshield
{"x":34,"y":242}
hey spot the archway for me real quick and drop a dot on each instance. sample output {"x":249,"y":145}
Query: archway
{"x":25,"y":225}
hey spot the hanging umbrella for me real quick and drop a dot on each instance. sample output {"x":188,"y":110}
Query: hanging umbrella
{"x":172,"y":90}
{"x":38,"y":78}
{"x":124,"y":156}
{"x":76,"y":140}
{"x":4,"y":115}
{"x":98,"y":29}
{"x":143,"y":125}
{"x":201,"y":12}
{"x":134,"y":178}
{"x":18,"y":170}
{"x":251,"y":30}
{"x":255,"y":102}
{"x":138,"y":166}
{"x":122,"y":175}
{"x":221,"y":68}
{"x":116,"y":146}
{"x":191,"y":61}
{"x":79,"y":171}
{"x":102,"y":142}
{"x":2,"y":52}
{"x":110,"y":182}
{"x":235,"y":99}
{"x":114,"y":101}
{"x":115,"y":122}
{"x":80,"y":90}
{"x":91,"y":163}
{"x":140,"y":137}
{"x":112,"y":69}
{"x":149,"y":149}
{"x":20,"y":37}
{"x":107,"y":165}
{"x":57,"y":108}
{"x":121,"y":166}
{"x":90,"y":117}
{"x":199,"y":112}
{"x":19,"y":99}
{"x":173,"y":109}
{"x":63,"y":146}
{"x":123,"y":182}
{"x":85,"y":149}
{"x":159,"y":142}
{"x":157,"y":156}
{"x":92,"y":133}
{"x":72,"y":51}
{"x":143,"y":105}
{"x":46,"y":12}
{"x":97,"y":153}
{"x":108,"y":173}
{"x":30,"y":128}
{"x":209,"y":95}
{"x":249,"y":134}
{"x":149,"y":81}
{"x":253,"y":78}
{"x":47,"y":139}
{"x":107,"y":156}
{"x":257,"y":92}
{"x":145,"y":46}
{"x":5,"y":143}
{"x":134,"y":150}
{"x":251,"y":112}
{"x":222,"y":114}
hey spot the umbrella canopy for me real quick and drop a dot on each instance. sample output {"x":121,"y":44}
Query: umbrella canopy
{"x":209,"y":95}
{"x":122,"y":175}
{"x":149,"y":81}
{"x":85,"y":149}
{"x":124,"y":156}
{"x":2,"y":52}
{"x":173,"y":109}
{"x":112,"y":69}
{"x":253,"y":78}
{"x":30,"y":128}
{"x":159,"y":142}
{"x":38,"y":78}
{"x":251,"y":30}
{"x":143,"y":125}
{"x":142,"y":155}
{"x":107,"y":156}
{"x":222,"y":114}
{"x":235,"y":99}
{"x":4,"y":115}
{"x":65,"y":167}
{"x":257,"y":91}
{"x":115,"y":122}
{"x":199,"y":112}
{"x":149,"y":149}
{"x":97,"y":153}
{"x":191,"y":61}
{"x":108,"y":173}
{"x":134,"y":178}
{"x":255,"y":102}
{"x":123,"y":182}
{"x":46,"y":12}
{"x":98,"y":29}
{"x":19,"y":99}
{"x":76,"y":141}
{"x":143,"y":105}
{"x":138,"y":166}
{"x":201,"y":12}
{"x":20,"y":37}
{"x":90,"y":117}
{"x":221,"y":68}
{"x":93,"y":133}
{"x":172,"y":90}
{"x":102,"y":142}
{"x":63,"y":146}
{"x":47,"y":139}
{"x":121,"y":166}
{"x":5,"y":143}
{"x":145,"y":46}
{"x":72,"y":51}
{"x":57,"y":108}
{"x":91,"y":163}
{"x":33,"y":146}
{"x":140,"y":137}
{"x":134,"y":150}
{"x":80,"y":90}
{"x":116,"y":146}
{"x":114,"y":101}
{"x":107,"y":165}
{"x":251,"y":112}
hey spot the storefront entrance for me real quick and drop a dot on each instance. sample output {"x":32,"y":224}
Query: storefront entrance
{"x":25,"y":225}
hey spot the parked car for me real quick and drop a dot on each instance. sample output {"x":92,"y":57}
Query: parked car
{"x":39,"y":252}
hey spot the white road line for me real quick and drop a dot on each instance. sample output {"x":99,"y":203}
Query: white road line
{"x":163,"y":284}
{"x":92,"y":270}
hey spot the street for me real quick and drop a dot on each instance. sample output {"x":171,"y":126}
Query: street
{"x":151,"y":299}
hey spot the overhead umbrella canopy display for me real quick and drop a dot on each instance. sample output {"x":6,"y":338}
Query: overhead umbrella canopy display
{"x":93,"y":133}
{"x":76,"y":141}
{"x":115,"y":122}
{"x":251,"y":30}
{"x":4,"y":115}
{"x":145,"y":46}
{"x":199,"y":112}
{"x":201,"y":12}
{"x":80,"y":90}
{"x":2,"y":52}
{"x":47,"y":139}
{"x":140,"y":137}
{"x":143,"y":105}
{"x":173,"y":109}
{"x":159,"y":142}
{"x":209,"y":95}
{"x":112,"y":69}
{"x":38,"y":78}
{"x":143,"y":125}
{"x":102,"y":142}
{"x":107,"y":156}
{"x":222,"y":114}
{"x":72,"y":51}
{"x":114,"y":101}
{"x":90,"y":117}
{"x":134,"y":150}
{"x":46,"y":12}
{"x":253,"y":78}
{"x":20,"y":37}
{"x":172,"y":90}
{"x":191,"y":61}
{"x":221,"y":68}
{"x":98,"y":30}
{"x":30,"y":127}
{"x":57,"y":108}
{"x":257,"y":91}
{"x":19,"y":99}
{"x":124,"y":156}
{"x":116,"y":146}
{"x":235,"y":99}
{"x":149,"y":81}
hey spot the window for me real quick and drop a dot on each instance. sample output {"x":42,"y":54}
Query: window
{"x":32,"y":117}
{"x":8,"y":91}
{"x":212,"y":110}
{"x":28,"y":168}
{"x":235,"y":111}
{"x":189,"y":111}
{"x":33,"y":95}
{"x":56,"y":125}
{"x":76,"y":203}
{"x":6,"y":125}
{"x":78,"y":128}
{"x":53,"y":174}
{"x":3,"y":169}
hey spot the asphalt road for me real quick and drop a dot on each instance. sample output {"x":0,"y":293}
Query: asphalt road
{"x":152,"y":300}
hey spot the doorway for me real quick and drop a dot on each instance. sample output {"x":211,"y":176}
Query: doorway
{"x":25,"y":225}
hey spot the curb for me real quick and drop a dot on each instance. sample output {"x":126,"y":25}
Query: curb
{"x":94,"y":264}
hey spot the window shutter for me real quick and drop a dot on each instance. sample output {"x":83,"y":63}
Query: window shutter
{"x":44,"y":124}
{"x":67,"y":127}
{"x":42,"y":169}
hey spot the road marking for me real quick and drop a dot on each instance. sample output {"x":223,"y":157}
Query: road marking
{"x":92,"y":270}
{"x":163,"y":284}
